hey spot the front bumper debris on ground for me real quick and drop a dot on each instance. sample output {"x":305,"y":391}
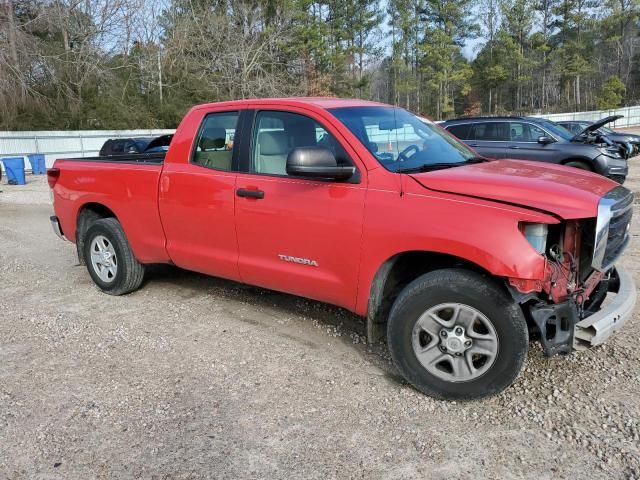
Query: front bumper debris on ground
{"x":563,"y":331}
{"x":597,"y":328}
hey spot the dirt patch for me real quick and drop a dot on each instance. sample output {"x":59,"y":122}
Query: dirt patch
{"x":196,"y":377}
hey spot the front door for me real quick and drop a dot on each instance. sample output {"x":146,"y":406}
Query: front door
{"x":298,"y":235}
{"x":524,"y":145}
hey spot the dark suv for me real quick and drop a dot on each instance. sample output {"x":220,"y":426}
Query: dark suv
{"x":529,"y":138}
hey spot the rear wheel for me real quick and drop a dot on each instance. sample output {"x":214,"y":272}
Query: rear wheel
{"x":109,"y":258}
{"x":580,"y":165}
{"x":454,"y":334}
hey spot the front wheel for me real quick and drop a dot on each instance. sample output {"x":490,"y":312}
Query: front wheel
{"x":454,"y":334}
{"x":109,"y":258}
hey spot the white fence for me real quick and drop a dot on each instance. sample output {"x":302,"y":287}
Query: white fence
{"x":61,"y":144}
{"x":631,"y":116}
{"x":87,"y":143}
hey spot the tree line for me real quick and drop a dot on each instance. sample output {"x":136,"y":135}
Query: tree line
{"x":78,"y":64}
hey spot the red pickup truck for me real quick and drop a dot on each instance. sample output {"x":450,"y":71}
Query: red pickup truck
{"x":457,"y":259}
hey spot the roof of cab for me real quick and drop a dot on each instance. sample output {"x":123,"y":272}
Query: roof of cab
{"x":321,"y":102}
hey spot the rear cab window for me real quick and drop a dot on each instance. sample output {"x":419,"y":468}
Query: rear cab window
{"x":215,"y":141}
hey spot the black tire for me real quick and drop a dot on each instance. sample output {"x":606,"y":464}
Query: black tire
{"x":469,"y":289}
{"x":580,"y":165}
{"x":130,"y":272}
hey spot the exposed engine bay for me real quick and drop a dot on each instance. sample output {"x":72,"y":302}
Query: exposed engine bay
{"x":603,"y":142}
{"x":594,"y":136}
{"x":579,"y":273}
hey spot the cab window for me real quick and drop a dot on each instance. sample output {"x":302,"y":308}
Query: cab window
{"x":525,"y":132}
{"x":461,"y":131}
{"x":491,"y":132}
{"x":277,"y":133}
{"x":214,"y":144}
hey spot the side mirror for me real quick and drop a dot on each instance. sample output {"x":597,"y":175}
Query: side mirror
{"x":545,"y":140}
{"x":316,"y":162}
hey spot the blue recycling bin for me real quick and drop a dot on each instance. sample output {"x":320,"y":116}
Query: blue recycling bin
{"x":15,"y":170}
{"x":37,"y":164}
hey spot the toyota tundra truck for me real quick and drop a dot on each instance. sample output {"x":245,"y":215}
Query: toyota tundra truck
{"x":457,"y":260}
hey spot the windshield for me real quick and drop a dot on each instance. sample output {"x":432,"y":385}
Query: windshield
{"x":556,"y":129}
{"x":400,"y":141}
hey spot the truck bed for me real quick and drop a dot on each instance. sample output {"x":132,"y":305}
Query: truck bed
{"x":135,"y":158}
{"x":128,"y":184}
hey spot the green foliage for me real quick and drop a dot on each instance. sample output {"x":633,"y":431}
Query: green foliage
{"x":611,"y":94}
{"x":102,"y":64}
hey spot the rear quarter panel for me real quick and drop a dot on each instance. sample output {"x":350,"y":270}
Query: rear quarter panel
{"x":129,"y":190}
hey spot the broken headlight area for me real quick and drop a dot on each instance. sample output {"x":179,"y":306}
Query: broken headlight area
{"x":565,"y":309}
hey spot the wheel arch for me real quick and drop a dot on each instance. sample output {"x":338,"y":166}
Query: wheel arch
{"x":398,"y":271}
{"x":587,"y":161}
{"x":88,"y":213}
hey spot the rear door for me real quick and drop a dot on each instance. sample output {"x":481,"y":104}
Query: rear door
{"x":197,"y":195}
{"x":298,"y":235}
{"x":489,"y":138}
{"x":524,"y":145}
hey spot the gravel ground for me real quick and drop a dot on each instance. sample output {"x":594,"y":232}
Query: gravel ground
{"x":196,"y":377}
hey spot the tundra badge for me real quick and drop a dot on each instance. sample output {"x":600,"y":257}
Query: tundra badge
{"x":301,"y":261}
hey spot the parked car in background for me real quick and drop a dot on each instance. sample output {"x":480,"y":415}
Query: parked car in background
{"x":529,"y":138}
{"x":128,"y":146}
{"x":455,"y":259}
{"x":630,"y":141}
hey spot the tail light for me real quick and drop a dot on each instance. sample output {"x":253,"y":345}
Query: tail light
{"x":52,"y":176}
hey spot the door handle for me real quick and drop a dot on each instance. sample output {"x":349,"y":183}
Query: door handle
{"x":514,"y":147}
{"x":474,"y":145}
{"x":243,"y":192}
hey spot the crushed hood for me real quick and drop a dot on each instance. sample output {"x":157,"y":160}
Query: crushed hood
{"x":596,"y":125}
{"x":566,"y":192}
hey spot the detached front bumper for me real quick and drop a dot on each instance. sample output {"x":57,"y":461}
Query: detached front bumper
{"x":562,"y":330}
{"x":597,"y":328}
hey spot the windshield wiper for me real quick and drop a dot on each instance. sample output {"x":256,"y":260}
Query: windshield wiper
{"x":476,"y":160}
{"x":428,"y":167}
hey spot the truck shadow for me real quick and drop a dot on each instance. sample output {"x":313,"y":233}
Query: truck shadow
{"x":267,"y":308}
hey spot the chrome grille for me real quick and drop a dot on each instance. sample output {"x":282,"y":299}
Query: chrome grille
{"x":612,"y":227}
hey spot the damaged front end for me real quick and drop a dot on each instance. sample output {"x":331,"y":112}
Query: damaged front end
{"x":583,"y":298}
